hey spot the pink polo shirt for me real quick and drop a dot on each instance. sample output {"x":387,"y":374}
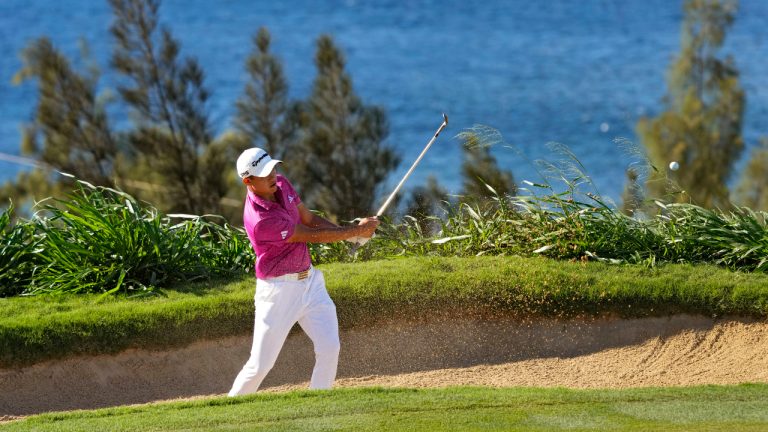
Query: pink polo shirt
{"x":268,"y":225}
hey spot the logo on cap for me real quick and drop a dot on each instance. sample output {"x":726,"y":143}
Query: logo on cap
{"x":256,"y":162}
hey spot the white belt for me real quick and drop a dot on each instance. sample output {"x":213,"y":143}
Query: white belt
{"x":293,"y":276}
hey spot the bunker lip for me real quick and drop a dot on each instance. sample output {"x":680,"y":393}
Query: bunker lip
{"x":9,"y":418}
{"x":676,"y":350}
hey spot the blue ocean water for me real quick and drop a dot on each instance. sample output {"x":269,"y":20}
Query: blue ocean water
{"x":579,"y":73}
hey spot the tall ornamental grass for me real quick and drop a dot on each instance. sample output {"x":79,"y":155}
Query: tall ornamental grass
{"x":573,"y":226}
{"x":562,"y":227}
{"x":735,"y":239}
{"x":18,"y":247}
{"x":104,"y":240}
{"x":563,"y":216}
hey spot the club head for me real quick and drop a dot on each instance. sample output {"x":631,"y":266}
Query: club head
{"x":442,"y":126}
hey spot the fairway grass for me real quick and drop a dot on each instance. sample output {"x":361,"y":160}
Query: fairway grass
{"x":704,"y":408}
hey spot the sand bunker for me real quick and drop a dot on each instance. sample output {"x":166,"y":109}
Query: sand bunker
{"x":668,"y":351}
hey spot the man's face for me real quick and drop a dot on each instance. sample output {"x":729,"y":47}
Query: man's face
{"x":263,"y":185}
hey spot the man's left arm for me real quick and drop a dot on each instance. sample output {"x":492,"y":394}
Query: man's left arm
{"x":312,"y":220}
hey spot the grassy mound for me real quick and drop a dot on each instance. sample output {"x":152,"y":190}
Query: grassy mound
{"x":34,"y":329}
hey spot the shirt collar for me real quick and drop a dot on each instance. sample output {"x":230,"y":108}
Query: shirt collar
{"x":263,"y":202}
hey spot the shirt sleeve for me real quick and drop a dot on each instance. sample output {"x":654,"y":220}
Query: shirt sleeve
{"x":273,"y":230}
{"x":292,"y":191}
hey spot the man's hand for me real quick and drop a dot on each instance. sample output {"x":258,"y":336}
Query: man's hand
{"x":364,"y":231}
{"x":368,"y":226}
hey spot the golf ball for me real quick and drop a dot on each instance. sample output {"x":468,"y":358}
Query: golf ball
{"x":674,"y":165}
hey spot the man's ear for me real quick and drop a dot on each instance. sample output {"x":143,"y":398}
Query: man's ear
{"x":247,"y":181}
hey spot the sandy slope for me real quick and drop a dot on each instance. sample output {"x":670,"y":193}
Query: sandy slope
{"x":677,"y":350}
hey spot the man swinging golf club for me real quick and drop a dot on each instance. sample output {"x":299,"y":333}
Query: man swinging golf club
{"x":288,"y":288}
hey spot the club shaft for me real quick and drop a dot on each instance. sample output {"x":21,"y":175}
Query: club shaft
{"x":405,"y":177}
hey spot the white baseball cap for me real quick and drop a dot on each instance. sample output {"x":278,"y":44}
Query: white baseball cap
{"x":255,"y":162}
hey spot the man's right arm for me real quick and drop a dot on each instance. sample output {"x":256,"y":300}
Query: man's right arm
{"x":305,"y":234}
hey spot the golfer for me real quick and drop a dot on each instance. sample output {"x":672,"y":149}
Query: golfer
{"x":288,"y":288}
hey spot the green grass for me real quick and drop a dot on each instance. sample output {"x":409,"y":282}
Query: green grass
{"x":39,"y":328}
{"x":33,"y":329}
{"x":706,"y":408}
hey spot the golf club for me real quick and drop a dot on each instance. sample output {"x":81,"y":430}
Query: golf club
{"x":359,"y":241}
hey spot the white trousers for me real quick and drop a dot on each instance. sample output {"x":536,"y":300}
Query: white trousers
{"x":279,"y":305}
